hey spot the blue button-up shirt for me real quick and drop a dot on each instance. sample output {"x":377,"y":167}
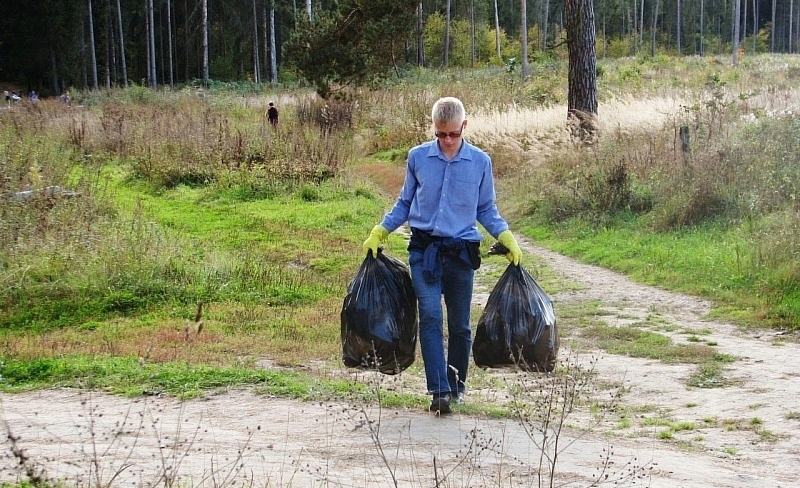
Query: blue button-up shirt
{"x":447,"y":198}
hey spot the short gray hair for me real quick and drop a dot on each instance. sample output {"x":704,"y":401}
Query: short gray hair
{"x":448,"y":109}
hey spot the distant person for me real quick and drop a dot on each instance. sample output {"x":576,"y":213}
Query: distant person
{"x":33,"y":97}
{"x":65,"y":98}
{"x":14,"y":97}
{"x":8,"y":98}
{"x":272,"y":115}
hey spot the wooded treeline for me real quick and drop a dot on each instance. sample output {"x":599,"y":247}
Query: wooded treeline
{"x":52,"y":45}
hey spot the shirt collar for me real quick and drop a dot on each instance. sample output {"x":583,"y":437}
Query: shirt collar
{"x":464,"y":152}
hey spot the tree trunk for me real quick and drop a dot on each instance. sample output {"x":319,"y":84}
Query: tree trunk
{"x":92,"y":53}
{"x":122,"y":46}
{"x":755,"y":25}
{"x":743,"y":30}
{"x":772,"y":34}
{"x":641,"y":27}
{"x":421,"y":36}
{"x":109,"y":51}
{"x":273,"y":54}
{"x":186,"y":49}
{"x":308,"y":9}
{"x":472,"y":33}
{"x":523,"y":14}
{"x":546,"y":22}
{"x":256,"y":56}
{"x":791,"y":26}
{"x":152,"y":45}
{"x":736,"y":25}
{"x":582,"y":74}
{"x":702,"y":27}
{"x":204,"y":14}
{"x":265,"y":29}
{"x":653,"y":33}
{"x":169,"y":45}
{"x":496,"y":31}
{"x":678,"y":27}
{"x":446,"y":56}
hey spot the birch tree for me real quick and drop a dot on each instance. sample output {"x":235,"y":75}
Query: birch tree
{"x":92,"y":53}
{"x":736,"y":25}
{"x":523,"y":13}
{"x":256,"y":58}
{"x":446,"y":57}
{"x":204,"y":28}
{"x":169,"y":44}
{"x":122,"y":46}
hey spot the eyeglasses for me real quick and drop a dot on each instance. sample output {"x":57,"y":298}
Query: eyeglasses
{"x":445,"y":135}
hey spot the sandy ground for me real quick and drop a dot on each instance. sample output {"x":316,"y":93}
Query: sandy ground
{"x":238,"y":438}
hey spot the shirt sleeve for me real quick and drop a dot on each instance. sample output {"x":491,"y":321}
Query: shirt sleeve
{"x":398,"y":215}
{"x":488,"y":215}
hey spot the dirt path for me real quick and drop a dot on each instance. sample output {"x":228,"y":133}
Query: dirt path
{"x":240,"y":437}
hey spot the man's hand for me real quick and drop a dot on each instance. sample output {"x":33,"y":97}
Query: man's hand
{"x":376,"y":235}
{"x":514,"y":255}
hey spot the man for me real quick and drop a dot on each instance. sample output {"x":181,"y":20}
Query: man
{"x":448,"y":189}
{"x":272,"y":115}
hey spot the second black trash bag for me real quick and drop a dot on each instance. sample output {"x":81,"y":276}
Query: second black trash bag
{"x":518,"y":325}
{"x":379,"y":317}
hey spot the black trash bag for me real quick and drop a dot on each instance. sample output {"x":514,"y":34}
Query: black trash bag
{"x":379,"y":317}
{"x":518,"y":325}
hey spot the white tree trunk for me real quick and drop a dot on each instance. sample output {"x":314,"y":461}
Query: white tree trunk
{"x":496,"y":31}
{"x":92,"y":53}
{"x":653,"y":33}
{"x":122,"y":46}
{"x":421,"y":36}
{"x":446,"y":59}
{"x":256,"y":57}
{"x":273,"y":56}
{"x":152,"y":45}
{"x":736,"y":24}
{"x":523,"y":13}
{"x":169,"y":43}
{"x":204,"y":13}
{"x":472,"y":33}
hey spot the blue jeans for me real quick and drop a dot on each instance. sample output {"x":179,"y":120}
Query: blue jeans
{"x":444,"y":375}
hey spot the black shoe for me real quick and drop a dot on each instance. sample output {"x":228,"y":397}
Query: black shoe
{"x":441,"y":403}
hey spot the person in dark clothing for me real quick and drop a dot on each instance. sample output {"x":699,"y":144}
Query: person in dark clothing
{"x":272,"y":115}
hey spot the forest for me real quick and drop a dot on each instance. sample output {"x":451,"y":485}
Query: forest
{"x":89,"y":44}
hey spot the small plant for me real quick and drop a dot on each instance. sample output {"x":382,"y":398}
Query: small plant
{"x":792,"y":415}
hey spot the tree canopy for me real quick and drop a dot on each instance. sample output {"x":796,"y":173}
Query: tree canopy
{"x":356,"y":43}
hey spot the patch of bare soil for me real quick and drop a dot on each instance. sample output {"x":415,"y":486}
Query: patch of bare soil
{"x":741,"y":435}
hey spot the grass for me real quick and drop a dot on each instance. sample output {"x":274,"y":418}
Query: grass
{"x":187,"y":200}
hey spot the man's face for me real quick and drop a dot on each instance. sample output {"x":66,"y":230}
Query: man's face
{"x":449,"y":134}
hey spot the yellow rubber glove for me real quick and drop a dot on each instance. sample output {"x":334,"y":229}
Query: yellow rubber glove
{"x":376,"y":235}
{"x":514,"y":255}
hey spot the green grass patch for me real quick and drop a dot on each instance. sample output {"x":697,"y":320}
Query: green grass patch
{"x":633,"y":341}
{"x":126,"y":376}
{"x":704,"y":261}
